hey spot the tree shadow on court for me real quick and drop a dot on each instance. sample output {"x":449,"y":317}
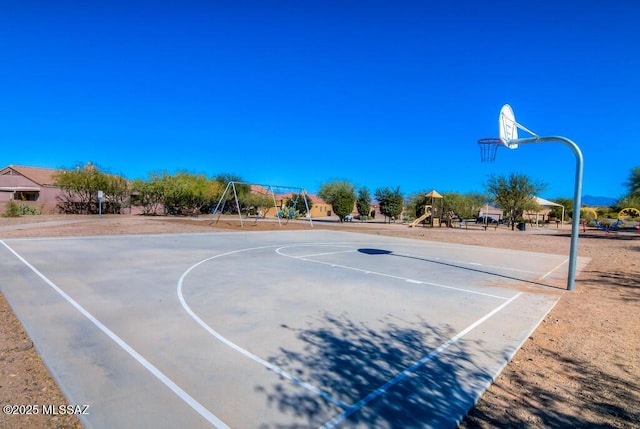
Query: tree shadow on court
{"x":587,"y":401}
{"x":369,"y":251}
{"x":394,"y":370}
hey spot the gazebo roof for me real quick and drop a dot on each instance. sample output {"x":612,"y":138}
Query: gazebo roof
{"x":546,"y":203}
{"x":434,"y":194}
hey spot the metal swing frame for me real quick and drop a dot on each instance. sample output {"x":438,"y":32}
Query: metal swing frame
{"x":231,"y":186}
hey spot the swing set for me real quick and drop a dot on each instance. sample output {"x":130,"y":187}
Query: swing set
{"x":281,"y":213}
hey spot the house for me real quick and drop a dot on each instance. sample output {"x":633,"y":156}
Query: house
{"x":319,"y":207}
{"x":28,"y":185}
{"x":34,"y":186}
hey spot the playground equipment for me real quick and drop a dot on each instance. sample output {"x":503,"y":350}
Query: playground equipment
{"x":437,"y":203}
{"x":433,"y":211}
{"x":607,"y":228}
{"x":589,"y":210}
{"x":628,"y":211}
{"x":508,"y":128}
{"x":427,"y":213}
{"x":231,"y":187}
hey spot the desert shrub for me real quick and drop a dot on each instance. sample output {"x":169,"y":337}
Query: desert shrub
{"x":605,"y":212}
{"x":12,"y":209}
{"x":26,"y":209}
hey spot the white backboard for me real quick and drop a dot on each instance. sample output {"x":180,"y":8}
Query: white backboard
{"x":508,"y":127}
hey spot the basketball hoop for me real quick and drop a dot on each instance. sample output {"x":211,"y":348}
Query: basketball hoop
{"x":508,"y":132}
{"x":488,"y":148}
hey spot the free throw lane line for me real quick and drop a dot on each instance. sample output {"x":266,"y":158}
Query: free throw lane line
{"x":188,"y":399}
{"x":404,"y":374}
{"x":280,"y":252}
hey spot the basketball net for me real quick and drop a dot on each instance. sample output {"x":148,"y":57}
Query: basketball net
{"x":489,"y":148}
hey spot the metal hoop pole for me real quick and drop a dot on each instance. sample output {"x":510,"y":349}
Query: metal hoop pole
{"x":575,"y":222}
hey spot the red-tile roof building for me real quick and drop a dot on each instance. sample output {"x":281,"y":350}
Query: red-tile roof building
{"x":29,"y":185}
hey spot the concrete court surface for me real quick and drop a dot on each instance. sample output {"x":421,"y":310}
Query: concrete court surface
{"x":275,"y":329}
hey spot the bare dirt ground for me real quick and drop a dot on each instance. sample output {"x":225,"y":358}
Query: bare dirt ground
{"x":581,"y":367}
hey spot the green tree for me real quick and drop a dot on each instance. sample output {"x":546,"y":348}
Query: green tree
{"x":633,"y":183}
{"x":514,"y":194}
{"x":416,"y":203}
{"x":242,"y":191}
{"x":190,"y":192}
{"x":632,"y":198}
{"x":149,"y":193}
{"x":628,"y":201}
{"x":80,"y":186}
{"x":174,"y":193}
{"x":300,"y":202}
{"x":363,"y":203}
{"x":419,"y":203}
{"x":258,"y":203}
{"x":177,"y":193}
{"x":225,"y":178}
{"x":341,"y":195}
{"x":567,"y":203}
{"x":391,"y":202}
{"x":464,"y":206}
{"x":117,"y":194}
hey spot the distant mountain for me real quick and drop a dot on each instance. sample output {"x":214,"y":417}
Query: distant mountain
{"x":591,"y":201}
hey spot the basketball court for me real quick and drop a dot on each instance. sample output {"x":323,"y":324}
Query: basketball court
{"x":275,"y":329}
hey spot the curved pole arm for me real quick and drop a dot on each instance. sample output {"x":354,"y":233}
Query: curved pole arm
{"x":577,"y":198}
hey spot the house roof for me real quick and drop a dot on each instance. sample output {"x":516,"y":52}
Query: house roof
{"x":314,"y":198}
{"x":41,"y":176}
{"x":259,"y":189}
{"x":287,"y":195}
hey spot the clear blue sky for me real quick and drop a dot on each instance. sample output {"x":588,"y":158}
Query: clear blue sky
{"x":297,"y":93}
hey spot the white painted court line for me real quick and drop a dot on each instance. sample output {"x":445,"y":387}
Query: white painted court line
{"x":553,"y":270}
{"x":414,"y":281}
{"x":404,"y":374}
{"x":195,"y":405}
{"x":349,"y":409}
{"x":328,"y":253}
{"x":465,"y":263}
{"x":241,"y":350}
{"x":453,"y":262}
{"x":258,"y":359}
